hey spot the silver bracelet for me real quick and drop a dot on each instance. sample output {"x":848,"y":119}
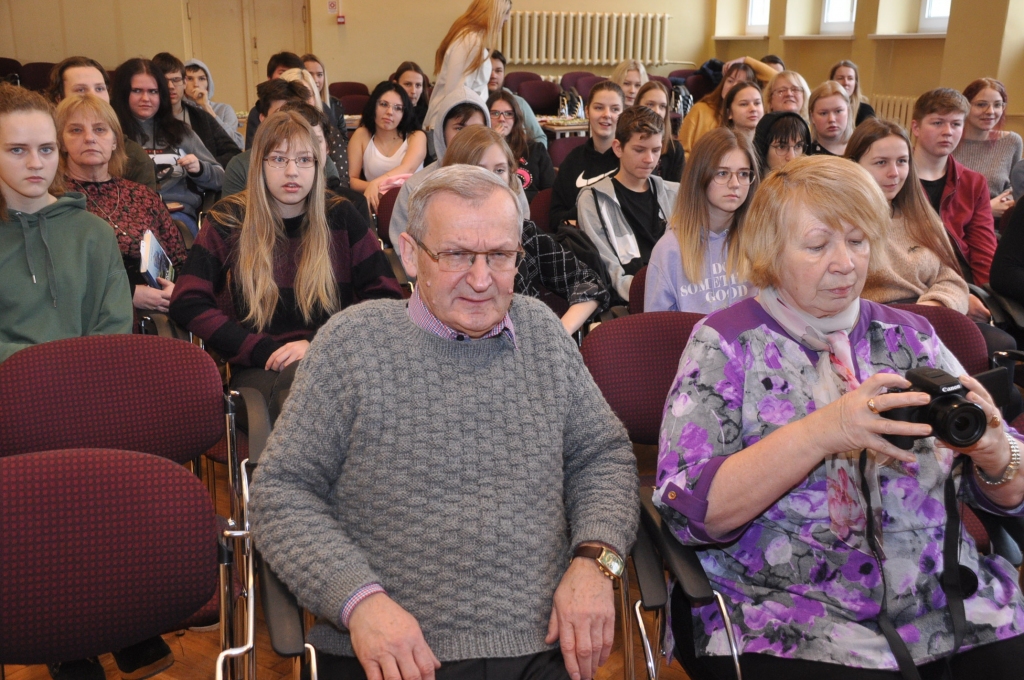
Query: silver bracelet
{"x":1009,"y":472}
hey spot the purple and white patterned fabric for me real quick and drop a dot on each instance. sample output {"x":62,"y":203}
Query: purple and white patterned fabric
{"x":795,"y":590}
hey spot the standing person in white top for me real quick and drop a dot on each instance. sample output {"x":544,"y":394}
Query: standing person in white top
{"x":386,"y":143}
{"x":693,"y":267}
{"x":462,"y":58}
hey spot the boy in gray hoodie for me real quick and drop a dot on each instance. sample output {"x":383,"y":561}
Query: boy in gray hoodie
{"x":199,"y":88}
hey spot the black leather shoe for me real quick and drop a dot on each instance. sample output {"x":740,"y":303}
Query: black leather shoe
{"x":83,"y":669}
{"x":144,"y":659}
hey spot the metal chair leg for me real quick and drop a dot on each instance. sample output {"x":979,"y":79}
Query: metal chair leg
{"x":733,"y":647}
{"x":629,"y":667}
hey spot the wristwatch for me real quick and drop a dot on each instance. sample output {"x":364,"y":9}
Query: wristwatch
{"x":1011,"y":470}
{"x":608,"y":561}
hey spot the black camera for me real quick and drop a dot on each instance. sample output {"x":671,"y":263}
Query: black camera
{"x":954,"y":420}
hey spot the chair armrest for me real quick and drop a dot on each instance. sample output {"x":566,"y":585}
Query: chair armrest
{"x":1013,"y":309}
{"x":258,"y":419}
{"x":999,"y":313}
{"x":282,"y":613}
{"x":650,"y":571}
{"x":157,"y":323}
{"x":396,"y":266}
{"x":681,"y":560}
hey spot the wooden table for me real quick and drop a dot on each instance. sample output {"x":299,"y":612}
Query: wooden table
{"x":559,"y":127}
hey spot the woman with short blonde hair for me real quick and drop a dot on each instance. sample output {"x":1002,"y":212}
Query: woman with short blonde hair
{"x":787,"y":91}
{"x":777,"y":458}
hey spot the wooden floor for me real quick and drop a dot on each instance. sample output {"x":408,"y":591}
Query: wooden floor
{"x":195,"y":653}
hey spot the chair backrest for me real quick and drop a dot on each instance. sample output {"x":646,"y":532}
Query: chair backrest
{"x":585,"y":84}
{"x":385,"y":208}
{"x":9,"y":66}
{"x":540,"y":210}
{"x":101,"y":549}
{"x":637,"y":290}
{"x":133,"y":392}
{"x":516,"y":78}
{"x":634,"y":360}
{"x":559,"y":148}
{"x":682,"y":73}
{"x":958,"y":333}
{"x":354,"y":103}
{"x":661,"y":79}
{"x":541,"y":95}
{"x":570,"y":79}
{"x":342,"y":88}
{"x":35,"y":75}
{"x":699,"y":85}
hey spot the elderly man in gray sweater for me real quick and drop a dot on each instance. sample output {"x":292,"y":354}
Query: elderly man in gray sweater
{"x":446,"y":488}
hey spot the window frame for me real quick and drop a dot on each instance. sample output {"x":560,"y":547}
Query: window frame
{"x":838,"y":27}
{"x":757,"y":29}
{"x":929,"y":24}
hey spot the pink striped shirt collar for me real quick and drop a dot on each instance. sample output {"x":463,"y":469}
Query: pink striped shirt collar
{"x":424,"y":318}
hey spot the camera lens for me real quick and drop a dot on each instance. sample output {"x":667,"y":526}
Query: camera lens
{"x":957,"y":421}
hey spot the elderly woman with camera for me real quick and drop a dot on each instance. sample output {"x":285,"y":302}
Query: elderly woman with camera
{"x":777,"y":456}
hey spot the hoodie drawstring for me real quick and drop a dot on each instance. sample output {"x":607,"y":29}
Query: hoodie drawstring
{"x":51,"y":277}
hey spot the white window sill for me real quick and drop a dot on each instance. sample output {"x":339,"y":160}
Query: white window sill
{"x":907,"y":36}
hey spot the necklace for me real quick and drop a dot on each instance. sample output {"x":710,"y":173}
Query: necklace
{"x":107,"y":216}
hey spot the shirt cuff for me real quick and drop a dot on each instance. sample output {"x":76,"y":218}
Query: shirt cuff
{"x":353,"y":601}
{"x":694,"y":504}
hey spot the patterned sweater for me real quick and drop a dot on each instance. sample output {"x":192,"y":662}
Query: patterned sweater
{"x":463,"y":491}
{"x":208,"y":301}
{"x":795,"y":590}
{"x":130,"y":209}
{"x":994,"y":159}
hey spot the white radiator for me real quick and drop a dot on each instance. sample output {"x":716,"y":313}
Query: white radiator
{"x":896,"y":109}
{"x":585,"y":38}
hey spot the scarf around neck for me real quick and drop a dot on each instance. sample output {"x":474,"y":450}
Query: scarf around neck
{"x":830,"y":337}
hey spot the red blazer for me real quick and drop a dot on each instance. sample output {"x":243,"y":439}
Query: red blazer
{"x":967,"y":214}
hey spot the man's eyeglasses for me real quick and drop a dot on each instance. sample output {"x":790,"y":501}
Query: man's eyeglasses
{"x":742,"y":176}
{"x":175,"y":80}
{"x":280,"y":162}
{"x":510,"y":115}
{"x":458,"y":261}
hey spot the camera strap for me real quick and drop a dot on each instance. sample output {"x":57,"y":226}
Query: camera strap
{"x":953,"y":578}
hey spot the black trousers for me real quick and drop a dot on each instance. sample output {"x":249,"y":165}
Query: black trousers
{"x":997,"y":661}
{"x":543,"y":666}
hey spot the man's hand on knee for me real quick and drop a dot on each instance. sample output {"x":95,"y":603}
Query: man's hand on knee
{"x":583,"y":618}
{"x":388,"y":641}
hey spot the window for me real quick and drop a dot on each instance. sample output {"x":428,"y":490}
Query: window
{"x":837,"y":16}
{"x":757,"y":16}
{"x":934,"y":16}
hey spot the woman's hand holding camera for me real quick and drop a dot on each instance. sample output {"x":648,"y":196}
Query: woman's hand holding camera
{"x":992,"y":452}
{"x":850,"y":423}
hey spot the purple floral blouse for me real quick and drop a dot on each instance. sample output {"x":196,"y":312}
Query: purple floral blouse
{"x":795,"y":590}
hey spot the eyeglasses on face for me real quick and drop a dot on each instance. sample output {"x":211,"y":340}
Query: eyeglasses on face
{"x":508,"y":115}
{"x":784,"y":149}
{"x":997,"y":105}
{"x":280,"y":162}
{"x":175,"y":80}
{"x":787,"y":90}
{"x":724,"y":176}
{"x":458,"y":261}
{"x":384,"y":106}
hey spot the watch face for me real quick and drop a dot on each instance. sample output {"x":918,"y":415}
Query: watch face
{"x":612,"y":562}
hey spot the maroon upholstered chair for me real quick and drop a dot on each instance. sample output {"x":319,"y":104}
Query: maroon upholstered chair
{"x":637,"y":290}
{"x":343,"y":88}
{"x":9,"y":67}
{"x":682,"y":73}
{"x":559,"y":148}
{"x":35,"y":75}
{"x":101,"y":549}
{"x":516,"y":78}
{"x":633,"y":360}
{"x":570,"y":79}
{"x":131,"y":392}
{"x":958,"y":333}
{"x":541,"y":95}
{"x":699,"y":85}
{"x":585,"y":84}
{"x":661,"y":79}
{"x":354,"y":103}
{"x":540,"y":210}
{"x":385,"y":207}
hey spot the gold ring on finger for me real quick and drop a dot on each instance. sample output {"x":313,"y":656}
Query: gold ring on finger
{"x":871,"y":406}
{"x":995,"y":420}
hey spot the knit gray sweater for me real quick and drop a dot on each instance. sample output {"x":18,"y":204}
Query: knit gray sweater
{"x":459,"y":475}
{"x":994,"y":159}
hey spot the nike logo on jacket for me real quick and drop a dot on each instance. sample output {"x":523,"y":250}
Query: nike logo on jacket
{"x":582,"y":183}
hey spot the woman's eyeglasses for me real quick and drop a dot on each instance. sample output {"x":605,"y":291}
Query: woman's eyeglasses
{"x":786,"y":149}
{"x":507,"y":115}
{"x":280,"y":162}
{"x":384,"y":106}
{"x":724,"y":176}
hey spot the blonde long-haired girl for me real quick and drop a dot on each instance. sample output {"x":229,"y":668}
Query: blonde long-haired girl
{"x":693,"y":266}
{"x":462,"y":59}
{"x":273,"y":262}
